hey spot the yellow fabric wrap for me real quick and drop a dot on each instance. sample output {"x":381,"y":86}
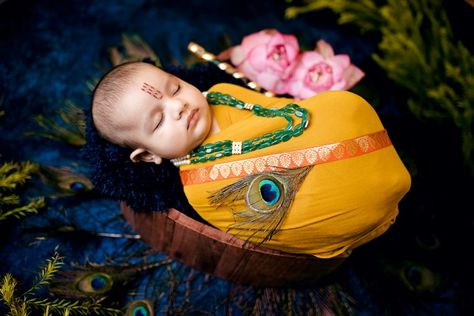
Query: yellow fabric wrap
{"x":341,"y":204}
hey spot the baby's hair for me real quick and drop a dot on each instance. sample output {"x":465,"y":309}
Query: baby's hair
{"x":107,"y":94}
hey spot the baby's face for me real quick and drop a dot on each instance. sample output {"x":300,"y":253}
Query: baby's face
{"x":164,"y":115}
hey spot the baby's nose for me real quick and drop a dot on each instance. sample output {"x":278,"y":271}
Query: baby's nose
{"x":177,"y":107}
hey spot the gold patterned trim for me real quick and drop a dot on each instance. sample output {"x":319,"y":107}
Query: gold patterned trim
{"x":299,"y":158}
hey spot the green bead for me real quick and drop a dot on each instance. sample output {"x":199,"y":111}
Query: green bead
{"x":286,"y":137}
{"x":298,"y":130}
{"x":275,"y":141}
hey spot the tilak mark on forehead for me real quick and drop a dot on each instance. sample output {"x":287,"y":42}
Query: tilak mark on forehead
{"x":151,"y":91}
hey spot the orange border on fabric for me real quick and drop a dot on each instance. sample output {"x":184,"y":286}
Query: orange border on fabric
{"x":299,"y":158}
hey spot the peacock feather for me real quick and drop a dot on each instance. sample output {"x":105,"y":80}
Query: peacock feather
{"x":132,"y":48}
{"x":96,"y":280}
{"x":67,"y":127}
{"x":268,"y":197}
{"x":64,"y":180}
{"x":140,"y":308}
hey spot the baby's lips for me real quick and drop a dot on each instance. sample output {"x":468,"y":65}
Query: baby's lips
{"x":190,"y":117}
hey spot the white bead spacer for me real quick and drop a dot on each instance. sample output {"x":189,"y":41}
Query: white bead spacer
{"x":252,"y":85}
{"x":236,"y":148}
{"x":248,"y":106}
{"x":269,"y":94}
{"x":204,"y":93}
{"x":223,"y":66}
{"x":181,"y":161}
{"x":238,"y":75}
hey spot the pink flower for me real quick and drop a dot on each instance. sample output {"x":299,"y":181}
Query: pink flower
{"x":267,"y":57}
{"x":321,"y":70}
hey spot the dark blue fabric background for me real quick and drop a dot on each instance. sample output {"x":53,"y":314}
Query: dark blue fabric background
{"x":50,"y":49}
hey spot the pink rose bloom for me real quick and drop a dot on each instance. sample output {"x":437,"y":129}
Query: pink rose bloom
{"x":321,"y":70}
{"x":267,"y":57}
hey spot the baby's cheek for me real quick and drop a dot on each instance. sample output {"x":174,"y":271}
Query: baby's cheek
{"x":177,"y":146}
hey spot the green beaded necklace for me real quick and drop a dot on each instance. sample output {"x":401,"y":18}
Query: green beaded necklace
{"x":213,"y":151}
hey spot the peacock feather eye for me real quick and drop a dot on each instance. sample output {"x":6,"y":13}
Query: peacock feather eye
{"x":269,"y":191}
{"x":95,"y":283}
{"x":139,"y":308}
{"x":77,"y":186}
{"x":265,"y":193}
{"x":65,"y":180}
{"x":268,"y":196}
{"x":419,"y":278}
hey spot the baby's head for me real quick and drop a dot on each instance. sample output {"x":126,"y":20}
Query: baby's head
{"x":155,"y":114}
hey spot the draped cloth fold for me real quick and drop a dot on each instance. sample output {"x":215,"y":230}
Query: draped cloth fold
{"x":349,"y":197}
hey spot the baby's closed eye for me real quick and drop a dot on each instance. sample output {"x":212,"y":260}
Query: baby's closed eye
{"x":160,"y":122}
{"x":176,"y":89}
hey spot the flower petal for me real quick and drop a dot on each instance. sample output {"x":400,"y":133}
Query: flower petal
{"x":308,"y":59}
{"x":299,"y":72}
{"x":237,"y":55}
{"x":255,"y":39}
{"x":352,"y":75}
{"x":268,"y":80}
{"x":258,"y":58}
{"x":342,"y":60}
{"x":324,"y":48}
{"x":247,"y":69}
{"x":339,"y":64}
{"x":294,"y":88}
{"x":225,"y":55}
{"x":281,"y":87}
{"x":337,"y":70}
{"x":291,"y":45}
{"x":340,"y":85}
{"x":306,"y":93}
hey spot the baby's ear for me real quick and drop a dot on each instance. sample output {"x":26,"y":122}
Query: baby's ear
{"x":141,"y":154}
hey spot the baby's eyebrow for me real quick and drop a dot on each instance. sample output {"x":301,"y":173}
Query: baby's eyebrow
{"x":151,"y":91}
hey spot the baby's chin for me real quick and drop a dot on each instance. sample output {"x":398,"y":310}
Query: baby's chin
{"x":185,"y":151}
{"x":203,"y":131}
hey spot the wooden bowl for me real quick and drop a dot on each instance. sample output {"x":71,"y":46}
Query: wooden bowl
{"x":210,"y":250}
